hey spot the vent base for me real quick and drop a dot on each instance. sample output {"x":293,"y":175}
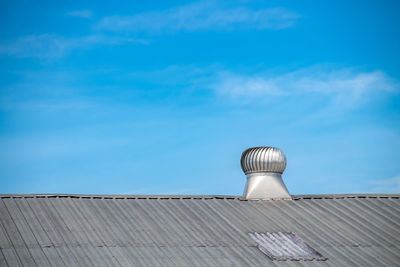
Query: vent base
{"x":265,"y":186}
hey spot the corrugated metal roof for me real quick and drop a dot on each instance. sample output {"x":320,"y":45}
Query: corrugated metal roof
{"x":85,"y":230}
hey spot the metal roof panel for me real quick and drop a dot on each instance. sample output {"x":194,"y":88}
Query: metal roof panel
{"x":73,"y":230}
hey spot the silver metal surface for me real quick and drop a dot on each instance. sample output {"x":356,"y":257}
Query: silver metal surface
{"x":90,"y":230}
{"x":263,"y":159}
{"x":263,"y":167}
{"x":285,"y":246}
{"x":267,"y":185}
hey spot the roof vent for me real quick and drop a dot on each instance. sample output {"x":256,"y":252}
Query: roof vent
{"x":263,"y":167}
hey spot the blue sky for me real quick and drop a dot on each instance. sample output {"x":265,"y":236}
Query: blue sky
{"x":161,"y":97}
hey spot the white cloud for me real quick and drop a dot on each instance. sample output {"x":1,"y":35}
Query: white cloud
{"x":391,"y":185}
{"x":345,"y":85}
{"x":46,"y":105}
{"x":236,"y":85}
{"x":41,"y":46}
{"x":191,"y":17}
{"x":204,"y":15}
{"x":81,"y":13}
{"x":49,"y":46}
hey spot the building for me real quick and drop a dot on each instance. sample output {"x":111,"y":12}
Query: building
{"x":265,"y":227}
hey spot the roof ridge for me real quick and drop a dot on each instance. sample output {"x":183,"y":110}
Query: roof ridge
{"x":99,"y":196}
{"x":343,"y":196}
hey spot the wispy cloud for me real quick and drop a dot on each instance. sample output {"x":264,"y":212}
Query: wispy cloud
{"x":203,"y":15}
{"x":346,"y":85}
{"x":81,"y":13}
{"x":390,"y":185}
{"x":49,"y":46}
{"x":46,"y":105}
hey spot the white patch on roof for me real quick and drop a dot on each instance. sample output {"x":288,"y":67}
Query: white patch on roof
{"x":285,"y":246}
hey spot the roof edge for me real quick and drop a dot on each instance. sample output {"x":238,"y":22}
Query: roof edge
{"x":105,"y":196}
{"x":339,"y":196}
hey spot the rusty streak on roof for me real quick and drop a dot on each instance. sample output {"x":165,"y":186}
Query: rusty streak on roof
{"x":124,"y":230}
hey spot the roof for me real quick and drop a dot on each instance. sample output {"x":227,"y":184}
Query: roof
{"x":86,"y":230}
